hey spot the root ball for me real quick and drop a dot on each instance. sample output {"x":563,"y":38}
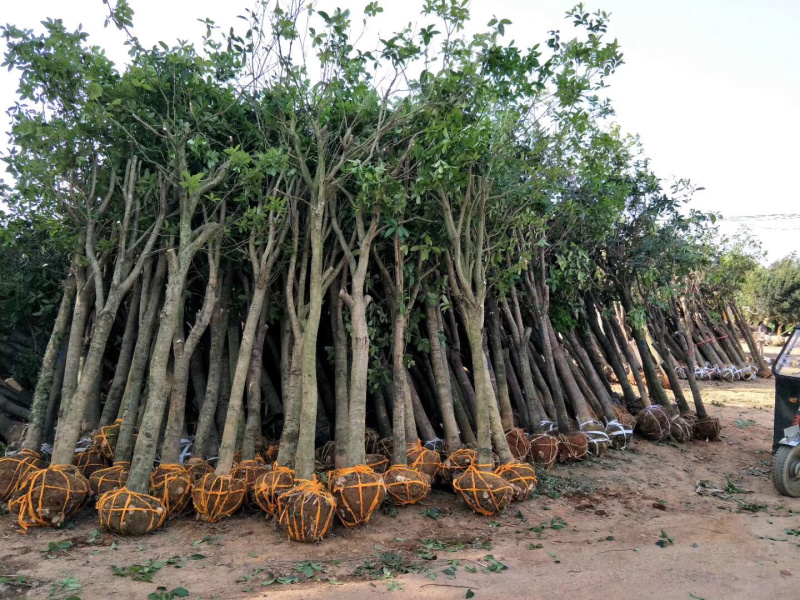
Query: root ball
{"x":127,"y":513}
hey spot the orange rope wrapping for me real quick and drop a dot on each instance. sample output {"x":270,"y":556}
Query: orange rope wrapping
{"x":544,"y":450}
{"x":111,"y":478}
{"x":125,"y":512}
{"x":90,"y":461}
{"x":14,"y":470}
{"x":483,"y":491}
{"x":522,"y":478}
{"x":405,"y":485}
{"x":63,"y":486}
{"x":423,"y":460}
{"x":306,"y":511}
{"x":518,"y":443}
{"x":171,"y":483}
{"x":217,"y":497}
{"x":368,"y":487}
{"x":270,"y":485}
{"x":459,"y":461}
{"x":105,"y":439}
{"x":198,"y":468}
{"x":377,"y":462}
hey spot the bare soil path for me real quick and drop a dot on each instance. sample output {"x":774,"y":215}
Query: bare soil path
{"x":630,"y":525}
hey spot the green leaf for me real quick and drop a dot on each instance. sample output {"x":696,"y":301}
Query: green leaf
{"x":469,"y":594}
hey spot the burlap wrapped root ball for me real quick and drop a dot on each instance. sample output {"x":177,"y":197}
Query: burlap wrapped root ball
{"x":359,"y":492}
{"x":423,"y":460}
{"x":544,"y":450}
{"x":217,"y":496}
{"x":653,"y":423}
{"x":572,"y":447}
{"x":483,"y":491}
{"x":90,"y":461}
{"x":681,"y":429}
{"x":522,"y":478}
{"x":458,"y":462}
{"x":518,"y":443}
{"x":707,"y":429}
{"x":110,"y":478}
{"x":105,"y":439}
{"x":50,"y":496}
{"x":125,"y":512}
{"x":197,"y":469}
{"x":306,"y":511}
{"x":271,"y":485}
{"x":597,"y":442}
{"x":405,"y":485}
{"x":249,"y":471}
{"x":15,"y":469}
{"x":377,"y":462}
{"x":172,"y":485}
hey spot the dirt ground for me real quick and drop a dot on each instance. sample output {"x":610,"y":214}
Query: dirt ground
{"x":630,"y":525}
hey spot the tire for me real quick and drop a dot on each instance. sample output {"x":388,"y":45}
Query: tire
{"x":786,"y":471}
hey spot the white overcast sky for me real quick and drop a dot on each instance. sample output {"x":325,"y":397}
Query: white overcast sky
{"x":711,"y":86}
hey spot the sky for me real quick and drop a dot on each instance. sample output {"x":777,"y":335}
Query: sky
{"x":712,"y":87}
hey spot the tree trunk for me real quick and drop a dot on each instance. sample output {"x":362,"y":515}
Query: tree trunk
{"x":442,"y":377}
{"x":596,"y":385}
{"x":44,"y":384}
{"x":613,"y":325}
{"x":252,"y":427}
{"x":216,"y":357}
{"x":498,"y":362}
{"x":341,"y":377}
{"x":114,"y":397}
{"x":148,"y":312}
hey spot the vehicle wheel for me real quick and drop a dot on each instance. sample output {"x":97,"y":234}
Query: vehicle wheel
{"x":786,"y":471}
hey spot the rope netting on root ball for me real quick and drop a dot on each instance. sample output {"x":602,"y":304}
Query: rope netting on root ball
{"x":371,"y":439}
{"x":198,"y":468}
{"x":110,"y":478}
{"x":597,"y":442}
{"x":458,"y":462}
{"x":48,"y":497}
{"x":270,"y":485}
{"x":572,"y":447}
{"x":544,"y":450}
{"x":405,"y":485}
{"x":483,"y":491}
{"x":423,"y":460}
{"x":90,"y":461}
{"x":619,"y":434}
{"x":172,"y":485}
{"x":217,"y":497}
{"x":653,"y":423}
{"x":518,"y":443}
{"x":306,"y":511}
{"x":125,"y":512}
{"x":681,"y":429}
{"x":249,"y":471}
{"x":377,"y":462}
{"x":359,"y":491}
{"x":707,"y":429}
{"x":522,"y":478}
{"x":15,"y":469}
{"x":105,"y":439}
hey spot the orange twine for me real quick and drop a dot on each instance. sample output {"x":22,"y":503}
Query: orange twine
{"x":270,"y":485}
{"x":340,"y":483}
{"x":475,"y":485}
{"x":521,"y":476}
{"x":218,"y":496}
{"x":414,"y":485}
{"x":125,"y":503}
{"x":25,"y":463}
{"x":294,"y":504}
{"x":32,"y":512}
{"x":422,"y":459}
{"x":174,"y":498}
